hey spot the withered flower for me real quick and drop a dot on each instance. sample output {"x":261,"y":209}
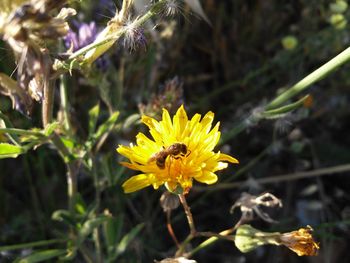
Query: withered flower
{"x":170,"y":97}
{"x":300,"y":241}
{"x":26,"y":26}
{"x":250,"y":203}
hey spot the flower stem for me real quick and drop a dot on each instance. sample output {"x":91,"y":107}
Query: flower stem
{"x":47,"y":104}
{"x":71,"y":171}
{"x":65,"y":105}
{"x":316,"y":75}
{"x":214,"y":238}
{"x":188,"y":214}
{"x":170,"y":228}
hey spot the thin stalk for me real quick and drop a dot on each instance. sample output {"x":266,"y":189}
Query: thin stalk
{"x":188,"y":214}
{"x":47,"y":104}
{"x":215,"y":238}
{"x":170,"y":228}
{"x":65,"y":104}
{"x":286,"y":177}
{"x":183,"y":245}
{"x":316,"y":75}
{"x":71,"y":171}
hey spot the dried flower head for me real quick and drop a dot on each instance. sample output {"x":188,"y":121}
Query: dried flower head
{"x":182,"y":149}
{"x":250,"y":203}
{"x":134,"y":37}
{"x":301,"y":242}
{"x":172,"y":7}
{"x":169,"y":201}
{"x":170,"y":97}
{"x":26,"y":26}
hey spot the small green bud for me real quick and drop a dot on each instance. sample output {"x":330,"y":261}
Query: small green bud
{"x":248,"y":238}
{"x":289,"y":42}
{"x":338,"y":6}
{"x":338,"y":21}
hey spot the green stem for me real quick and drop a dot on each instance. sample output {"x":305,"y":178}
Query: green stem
{"x":71,"y":171}
{"x":65,"y":104}
{"x":32,"y":244}
{"x":318,"y":74}
{"x":215,"y":238}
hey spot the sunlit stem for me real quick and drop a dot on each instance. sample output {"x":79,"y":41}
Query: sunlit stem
{"x":188,"y":214}
{"x":47,"y":104}
{"x":316,"y":75}
{"x":303,"y":84}
{"x":65,"y":104}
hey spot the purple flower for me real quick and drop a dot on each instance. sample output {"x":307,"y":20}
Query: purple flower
{"x":86,"y":34}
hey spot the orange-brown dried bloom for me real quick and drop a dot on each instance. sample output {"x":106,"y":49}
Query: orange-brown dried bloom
{"x":301,"y":242}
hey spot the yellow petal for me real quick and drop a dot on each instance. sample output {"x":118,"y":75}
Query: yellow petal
{"x":180,"y":121}
{"x":136,"y":183}
{"x":227,"y":158}
{"x":207,"y":177}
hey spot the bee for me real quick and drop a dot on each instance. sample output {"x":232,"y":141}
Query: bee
{"x":173,"y":151}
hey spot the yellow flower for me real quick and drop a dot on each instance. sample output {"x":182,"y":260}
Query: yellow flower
{"x":181,"y":150}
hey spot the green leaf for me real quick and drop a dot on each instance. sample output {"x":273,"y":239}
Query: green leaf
{"x":31,"y":244}
{"x":131,"y":120}
{"x":88,"y":227}
{"x":123,"y":244}
{"x":93,"y":116}
{"x":42,"y":255}
{"x":63,"y":216}
{"x":80,"y":205}
{"x":284,"y":109}
{"x":106,"y":126}
{"x":51,"y":127}
{"x":9,"y":150}
{"x":112,"y":230}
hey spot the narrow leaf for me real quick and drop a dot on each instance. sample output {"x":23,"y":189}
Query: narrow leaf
{"x":106,"y":126}
{"x":128,"y":238}
{"x":93,"y":116}
{"x":88,"y":227}
{"x":50,"y":128}
{"x":42,"y":255}
{"x":284,"y":109}
{"x":31,"y":244}
{"x":9,"y":150}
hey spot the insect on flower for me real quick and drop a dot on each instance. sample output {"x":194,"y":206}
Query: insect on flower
{"x":187,"y":151}
{"x":173,"y":151}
